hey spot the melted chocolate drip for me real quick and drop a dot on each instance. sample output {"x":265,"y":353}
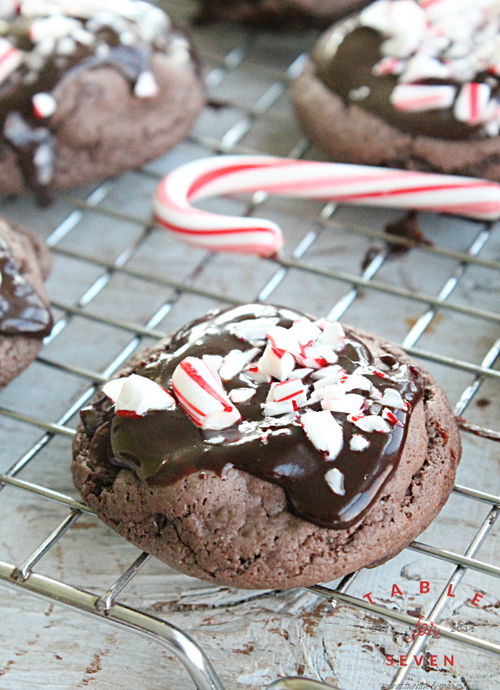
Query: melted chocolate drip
{"x":163,"y":446}
{"x":350,"y":67}
{"x":21,"y":309}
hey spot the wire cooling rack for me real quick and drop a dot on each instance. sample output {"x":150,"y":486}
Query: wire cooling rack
{"x":119,"y":284}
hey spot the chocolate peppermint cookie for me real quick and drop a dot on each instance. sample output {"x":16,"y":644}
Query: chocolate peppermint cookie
{"x":408,"y":84}
{"x":25,"y":318}
{"x":89,"y":89}
{"x":257,"y":448}
{"x":278,"y":13}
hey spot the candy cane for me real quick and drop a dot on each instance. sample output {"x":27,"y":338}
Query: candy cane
{"x":356,"y":184}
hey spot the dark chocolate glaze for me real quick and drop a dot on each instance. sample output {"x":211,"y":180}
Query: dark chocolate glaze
{"x":21,"y":129}
{"x":22,"y":312}
{"x":164,"y":446}
{"x":350,"y":68}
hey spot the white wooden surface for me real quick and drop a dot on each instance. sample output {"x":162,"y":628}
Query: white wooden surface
{"x":252,"y":638}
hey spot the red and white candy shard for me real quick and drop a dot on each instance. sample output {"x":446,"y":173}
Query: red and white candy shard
{"x":358,"y":443}
{"x":200,"y":393}
{"x":300,"y":373}
{"x":305,"y":331}
{"x":369,"y":423}
{"x":253,"y":329}
{"x":392,"y":398}
{"x":10,"y":59}
{"x":287,"y":390}
{"x":276,"y":363}
{"x":137,"y":395}
{"x":471,"y":102}
{"x":235,"y":361}
{"x":283,"y":339}
{"x":255,"y":372}
{"x":240,"y":395}
{"x":335,"y":480}
{"x":415,"y":98}
{"x":389,"y":416}
{"x":424,"y":67}
{"x":334,"y":336}
{"x":324,"y":432}
{"x":44,"y":105}
{"x":328,"y":372}
{"x":350,"y":403}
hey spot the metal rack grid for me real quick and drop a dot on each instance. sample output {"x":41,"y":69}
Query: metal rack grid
{"x":137,"y":283}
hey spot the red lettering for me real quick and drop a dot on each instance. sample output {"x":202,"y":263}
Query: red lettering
{"x":448,"y":660}
{"x":389,"y":660}
{"x":367,"y":596}
{"x":424,"y":587}
{"x":433,"y":660}
{"x":448,"y":593}
{"x":417,"y":660}
{"x":402,"y":660}
{"x":476,"y":598}
{"x":396,"y":590}
{"x":424,"y":629}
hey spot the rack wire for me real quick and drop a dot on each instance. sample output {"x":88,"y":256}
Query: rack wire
{"x":136,"y":283}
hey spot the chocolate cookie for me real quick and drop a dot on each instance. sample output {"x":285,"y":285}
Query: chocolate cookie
{"x":256,"y":448}
{"x":89,"y":89}
{"x":25,"y":318}
{"x":276,"y":13}
{"x":407,"y":84}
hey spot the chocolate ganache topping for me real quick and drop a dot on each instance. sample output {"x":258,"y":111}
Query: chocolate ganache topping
{"x":427,"y":68}
{"x":328,"y":426}
{"x":44,"y":42}
{"x":22,"y":312}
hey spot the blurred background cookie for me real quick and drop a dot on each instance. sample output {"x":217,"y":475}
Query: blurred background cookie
{"x":89,"y":89}
{"x":25,"y":318}
{"x":277,"y":13}
{"x":407,"y":84}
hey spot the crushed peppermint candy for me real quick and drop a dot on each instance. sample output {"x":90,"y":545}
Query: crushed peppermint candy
{"x":199,"y":390}
{"x":358,"y":443}
{"x":235,"y":361}
{"x":392,"y":398}
{"x":335,"y":480}
{"x":324,"y":432}
{"x":241,"y":395}
{"x":369,"y":423}
{"x":135,"y":395}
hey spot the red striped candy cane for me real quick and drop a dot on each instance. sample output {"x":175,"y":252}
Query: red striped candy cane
{"x":356,"y":184}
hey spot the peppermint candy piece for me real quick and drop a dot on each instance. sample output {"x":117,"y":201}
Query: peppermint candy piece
{"x":44,"y":105}
{"x":255,"y":372}
{"x":421,"y":67}
{"x":201,"y":395}
{"x":388,"y":65}
{"x":369,"y":423}
{"x":215,"y":361}
{"x":299,"y":373}
{"x":10,"y":59}
{"x":276,"y":363}
{"x":135,"y":395}
{"x":53,"y":28}
{"x":253,"y":329}
{"x":324,"y":432}
{"x":235,"y":361}
{"x":327,"y":372}
{"x":358,"y":443}
{"x":335,"y":480}
{"x":283,"y":339}
{"x":389,"y":416}
{"x":305,"y":331}
{"x":287,"y":390}
{"x":334,"y":336}
{"x":392,"y":398}
{"x":350,"y":403}
{"x":471,"y":102}
{"x":240,"y":395}
{"x":415,"y":98}
{"x":146,"y":86}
